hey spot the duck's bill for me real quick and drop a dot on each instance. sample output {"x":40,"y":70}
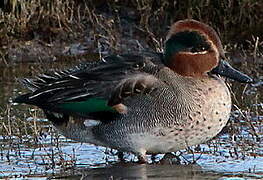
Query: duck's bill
{"x":226,"y":70}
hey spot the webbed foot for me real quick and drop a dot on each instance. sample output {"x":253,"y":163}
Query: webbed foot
{"x":170,"y":158}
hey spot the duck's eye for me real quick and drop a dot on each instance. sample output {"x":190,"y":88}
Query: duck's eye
{"x":138,"y":65}
{"x":198,"y":49}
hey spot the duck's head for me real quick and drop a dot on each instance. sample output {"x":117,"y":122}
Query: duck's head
{"x":194,"y":49}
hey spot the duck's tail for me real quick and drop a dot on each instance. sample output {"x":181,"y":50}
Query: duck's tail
{"x":23,"y":99}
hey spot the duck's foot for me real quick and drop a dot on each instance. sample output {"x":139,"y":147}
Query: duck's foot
{"x":170,"y":158}
{"x":142,"y":159}
{"x":153,"y":158}
{"x":120,"y":156}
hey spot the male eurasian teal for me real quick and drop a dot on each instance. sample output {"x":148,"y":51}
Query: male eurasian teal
{"x":154,"y":103}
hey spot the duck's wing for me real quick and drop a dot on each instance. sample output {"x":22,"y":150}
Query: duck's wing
{"x":93,"y":87}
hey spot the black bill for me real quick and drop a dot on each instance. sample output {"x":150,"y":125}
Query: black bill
{"x":226,"y":70}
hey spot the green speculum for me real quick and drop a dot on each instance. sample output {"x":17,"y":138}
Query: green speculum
{"x":89,"y":106}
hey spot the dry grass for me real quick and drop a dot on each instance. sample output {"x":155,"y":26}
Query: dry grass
{"x":51,"y":20}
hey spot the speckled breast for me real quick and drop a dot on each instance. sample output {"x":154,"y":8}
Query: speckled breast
{"x":211,"y":103}
{"x":195,"y":112}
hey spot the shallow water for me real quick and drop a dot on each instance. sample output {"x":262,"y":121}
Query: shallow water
{"x":31,"y":147}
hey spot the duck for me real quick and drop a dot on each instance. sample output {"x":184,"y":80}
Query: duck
{"x":145,"y":103}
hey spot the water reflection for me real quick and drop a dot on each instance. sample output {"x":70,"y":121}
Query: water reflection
{"x":146,"y":171}
{"x":156,"y":172}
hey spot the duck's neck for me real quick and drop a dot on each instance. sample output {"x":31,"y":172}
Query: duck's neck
{"x":182,"y":65}
{"x":193,"y":65}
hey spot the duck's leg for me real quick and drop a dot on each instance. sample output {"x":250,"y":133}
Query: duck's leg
{"x":141,"y":155}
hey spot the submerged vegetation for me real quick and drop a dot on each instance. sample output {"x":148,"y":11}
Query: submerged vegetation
{"x":36,"y":35}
